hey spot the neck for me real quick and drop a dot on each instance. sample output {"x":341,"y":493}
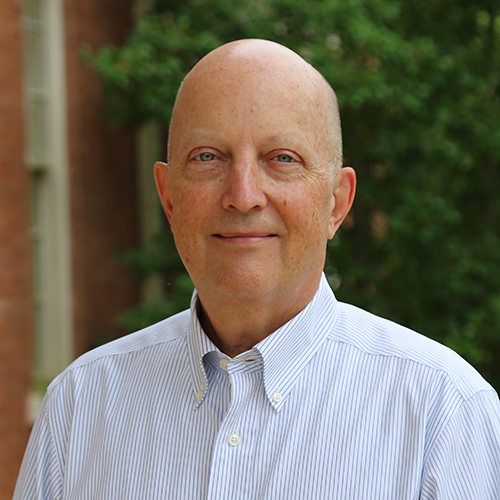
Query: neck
{"x":237,"y":325}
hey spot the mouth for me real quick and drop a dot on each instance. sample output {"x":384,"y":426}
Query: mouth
{"x":245,"y":238}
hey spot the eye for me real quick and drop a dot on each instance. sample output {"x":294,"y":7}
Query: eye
{"x":205,"y":156}
{"x":284,"y":158}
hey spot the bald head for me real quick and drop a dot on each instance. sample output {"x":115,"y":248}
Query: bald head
{"x":263,"y":69}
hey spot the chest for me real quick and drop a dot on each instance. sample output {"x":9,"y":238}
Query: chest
{"x":355,"y":437}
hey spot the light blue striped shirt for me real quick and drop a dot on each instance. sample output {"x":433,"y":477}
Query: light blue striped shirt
{"x":337,"y":403}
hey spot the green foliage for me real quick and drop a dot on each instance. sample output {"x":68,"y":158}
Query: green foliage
{"x":142,"y":77}
{"x":160,"y":258}
{"x":418,"y":83}
{"x":146,"y":313}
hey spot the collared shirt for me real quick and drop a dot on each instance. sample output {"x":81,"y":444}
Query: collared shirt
{"x":337,"y":403}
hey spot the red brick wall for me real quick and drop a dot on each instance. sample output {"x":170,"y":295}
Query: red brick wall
{"x":103,"y":187}
{"x":16,"y":331}
{"x":103,"y":209}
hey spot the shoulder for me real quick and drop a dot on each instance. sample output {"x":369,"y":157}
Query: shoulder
{"x":377,"y":336}
{"x":144,"y":345}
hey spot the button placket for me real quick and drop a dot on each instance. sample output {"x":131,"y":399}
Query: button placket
{"x":240,"y":388}
{"x":236,"y":435}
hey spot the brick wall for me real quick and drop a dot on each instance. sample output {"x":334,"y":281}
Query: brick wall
{"x":103,"y":178}
{"x":103,"y":210}
{"x":16,"y":330}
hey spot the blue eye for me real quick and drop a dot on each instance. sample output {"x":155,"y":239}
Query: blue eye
{"x":206,"y":156}
{"x":284,"y":158}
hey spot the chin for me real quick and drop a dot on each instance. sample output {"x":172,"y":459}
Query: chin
{"x":245,"y":284}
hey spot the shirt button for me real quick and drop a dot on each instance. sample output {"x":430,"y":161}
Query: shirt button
{"x":199,"y":395}
{"x":277,"y":397}
{"x":234,"y":439}
{"x":223,"y":363}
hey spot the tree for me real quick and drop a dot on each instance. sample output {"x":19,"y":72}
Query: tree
{"x":420,"y":104}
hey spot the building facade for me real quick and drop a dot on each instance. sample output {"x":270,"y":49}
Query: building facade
{"x":69,"y":201}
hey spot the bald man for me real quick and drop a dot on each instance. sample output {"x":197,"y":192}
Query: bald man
{"x":267,"y":387}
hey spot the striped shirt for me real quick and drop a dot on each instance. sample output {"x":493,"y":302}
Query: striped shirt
{"x":337,"y":403}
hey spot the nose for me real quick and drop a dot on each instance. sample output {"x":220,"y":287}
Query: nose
{"x":244,"y":187}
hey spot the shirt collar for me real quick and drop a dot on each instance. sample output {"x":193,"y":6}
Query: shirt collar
{"x":285,"y":353}
{"x":198,"y":345}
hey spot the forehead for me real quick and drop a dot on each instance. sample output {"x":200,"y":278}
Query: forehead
{"x":262,"y":98}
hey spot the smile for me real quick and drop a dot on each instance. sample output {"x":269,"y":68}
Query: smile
{"x":245,"y":238}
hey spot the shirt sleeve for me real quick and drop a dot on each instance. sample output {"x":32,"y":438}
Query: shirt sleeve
{"x":464,"y":463}
{"x":40,"y":477}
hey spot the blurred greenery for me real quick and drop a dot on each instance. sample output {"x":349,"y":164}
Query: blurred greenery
{"x":160,"y":257}
{"x":418,"y":83}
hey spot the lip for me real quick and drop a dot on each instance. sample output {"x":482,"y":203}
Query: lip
{"x":238,"y":238}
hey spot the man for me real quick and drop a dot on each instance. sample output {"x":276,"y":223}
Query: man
{"x":267,"y":388}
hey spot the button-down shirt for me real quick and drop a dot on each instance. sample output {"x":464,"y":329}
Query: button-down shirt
{"x":337,"y":403}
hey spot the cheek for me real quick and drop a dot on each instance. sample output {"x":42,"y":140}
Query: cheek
{"x":304,"y":211}
{"x":186,"y":237}
{"x":190,"y":212}
{"x":189,"y":206}
{"x":308,"y":219}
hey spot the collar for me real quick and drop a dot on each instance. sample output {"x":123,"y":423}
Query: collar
{"x":285,"y":353}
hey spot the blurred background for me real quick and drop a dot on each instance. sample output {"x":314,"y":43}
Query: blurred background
{"x":86,"y":91}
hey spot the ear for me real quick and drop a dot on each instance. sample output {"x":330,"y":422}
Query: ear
{"x":343,"y":194}
{"x":162,"y":179}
